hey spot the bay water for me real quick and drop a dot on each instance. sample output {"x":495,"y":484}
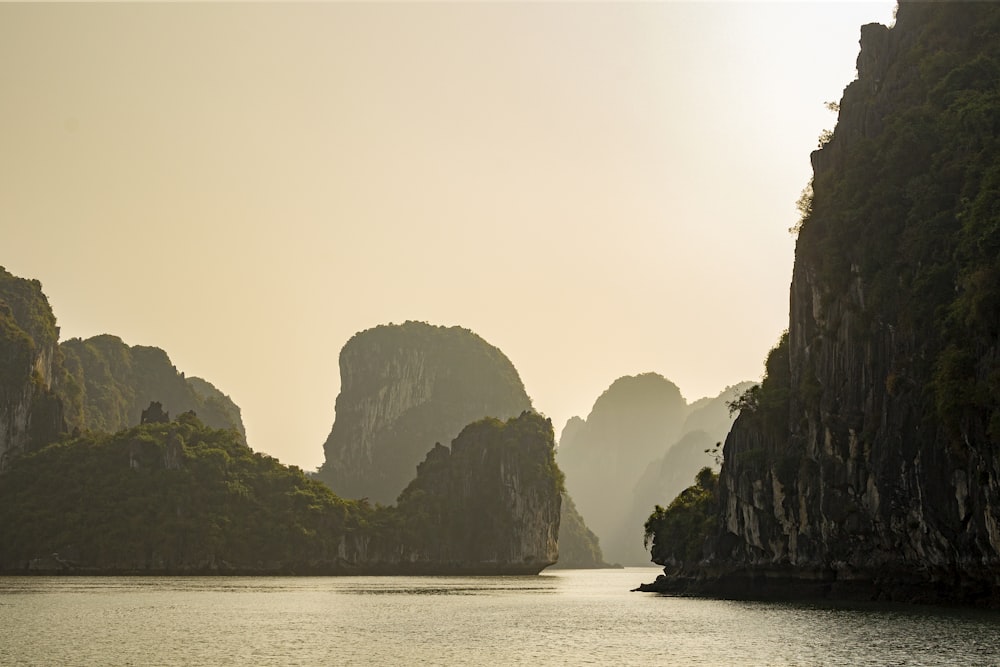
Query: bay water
{"x":561,"y":617}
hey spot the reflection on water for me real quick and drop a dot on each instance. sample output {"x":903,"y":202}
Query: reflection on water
{"x":272,"y":585}
{"x":564,"y":617}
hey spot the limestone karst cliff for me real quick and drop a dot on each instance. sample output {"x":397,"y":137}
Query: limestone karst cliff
{"x":49,"y":388}
{"x":868,"y":461}
{"x":30,"y":412}
{"x":404,"y":388}
{"x":488,"y":504}
{"x":115,"y":382}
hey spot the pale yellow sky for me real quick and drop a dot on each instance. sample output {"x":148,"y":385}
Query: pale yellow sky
{"x":597,"y":189}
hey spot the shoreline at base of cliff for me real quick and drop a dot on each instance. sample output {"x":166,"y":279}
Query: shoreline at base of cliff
{"x":293,"y":570}
{"x":787,"y":584}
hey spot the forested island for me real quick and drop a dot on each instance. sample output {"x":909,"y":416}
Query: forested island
{"x":178,"y":497}
{"x":85,"y":488}
{"x":866,"y":464}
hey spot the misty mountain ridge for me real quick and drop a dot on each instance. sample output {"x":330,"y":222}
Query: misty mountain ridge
{"x":633,"y":447}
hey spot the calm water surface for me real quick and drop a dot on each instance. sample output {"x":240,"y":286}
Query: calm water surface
{"x":584,"y":617}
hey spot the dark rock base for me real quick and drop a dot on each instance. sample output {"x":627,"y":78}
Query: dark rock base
{"x":785,"y":584}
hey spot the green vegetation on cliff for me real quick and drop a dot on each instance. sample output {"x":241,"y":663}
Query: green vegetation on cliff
{"x":100,"y":384}
{"x":905,"y":209}
{"x":494,"y":496}
{"x":676,"y":535}
{"x":116,"y":382}
{"x":167,"y":497}
{"x":867,"y":461}
{"x":30,"y":412}
{"x":178,"y":496}
{"x":767,"y":404}
{"x":29,"y":308}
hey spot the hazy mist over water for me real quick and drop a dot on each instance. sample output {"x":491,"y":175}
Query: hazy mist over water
{"x":566,"y":617}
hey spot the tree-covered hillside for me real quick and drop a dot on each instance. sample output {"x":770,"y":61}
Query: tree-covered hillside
{"x":179,"y":497}
{"x":167,"y":497}
{"x":113,"y":382}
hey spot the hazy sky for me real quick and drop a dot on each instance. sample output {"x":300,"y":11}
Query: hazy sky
{"x":597,"y":189}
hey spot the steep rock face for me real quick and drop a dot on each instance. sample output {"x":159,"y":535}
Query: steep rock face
{"x":403,"y":389}
{"x":490,"y":503}
{"x":115,"y":382}
{"x":868,"y":462}
{"x":30,"y":413}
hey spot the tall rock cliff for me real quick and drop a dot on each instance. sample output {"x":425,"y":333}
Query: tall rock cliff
{"x":404,"y":388}
{"x":868,"y":461}
{"x":490,"y":503}
{"x":100,"y":384}
{"x":30,"y":412}
{"x":113,"y":383}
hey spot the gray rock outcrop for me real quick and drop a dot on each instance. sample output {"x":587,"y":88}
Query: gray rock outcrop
{"x":403,"y":389}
